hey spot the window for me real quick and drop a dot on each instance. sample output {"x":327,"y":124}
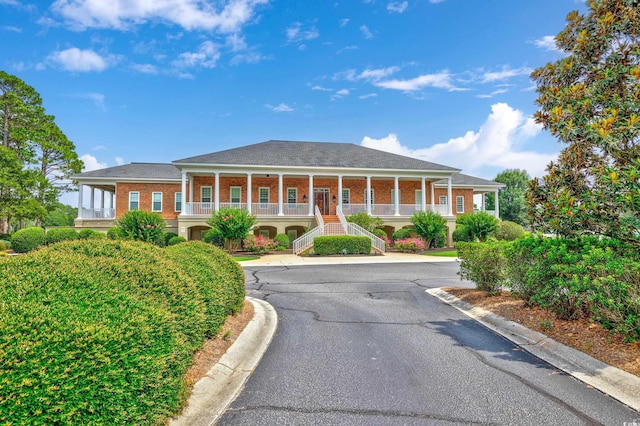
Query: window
{"x":346,"y":198}
{"x":292,"y":234}
{"x":134,"y":200}
{"x":460,"y":204}
{"x":292,"y":195}
{"x":264,"y":233}
{"x":263,"y":195}
{"x":178,"y":202}
{"x":156,"y":205}
{"x":393,"y":197}
{"x":365,"y":196}
{"x":205,"y":194}
{"x":236,"y":195}
{"x":443,"y":199}
{"x":419,"y":199}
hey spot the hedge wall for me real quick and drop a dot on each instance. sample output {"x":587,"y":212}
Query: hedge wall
{"x":336,"y":244}
{"x":98,"y":331}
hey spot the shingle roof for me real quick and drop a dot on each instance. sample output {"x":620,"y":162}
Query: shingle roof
{"x":313,"y":154}
{"x":466,"y":180}
{"x":136,"y":171}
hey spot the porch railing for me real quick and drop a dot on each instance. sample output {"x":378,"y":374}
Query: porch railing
{"x":104,"y":213}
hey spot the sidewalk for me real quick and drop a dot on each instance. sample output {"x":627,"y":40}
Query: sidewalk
{"x":293,"y":260}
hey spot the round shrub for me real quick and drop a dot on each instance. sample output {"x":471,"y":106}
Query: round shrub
{"x":461,"y":233}
{"x":176,"y":240}
{"x":27,"y":239}
{"x":168,"y":236}
{"x":140,"y":225}
{"x":401,"y":234}
{"x":509,"y":231}
{"x":87,"y":233}
{"x":111,"y":326}
{"x":56,"y":235}
{"x":283,"y":240}
{"x":215,"y":237}
{"x":6,"y":244}
{"x":3,"y":247}
{"x":115,"y":233}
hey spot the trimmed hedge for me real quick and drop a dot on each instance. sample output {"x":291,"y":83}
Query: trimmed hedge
{"x":116,"y":233}
{"x":102,"y":332}
{"x":27,"y":239}
{"x":176,"y":240}
{"x":56,"y":235}
{"x":336,"y":244}
{"x":283,"y":240}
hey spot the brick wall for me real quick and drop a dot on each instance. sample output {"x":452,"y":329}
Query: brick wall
{"x":146,"y":190}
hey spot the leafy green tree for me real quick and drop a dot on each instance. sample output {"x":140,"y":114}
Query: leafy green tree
{"x":233,"y":224}
{"x":61,"y":215}
{"x":370,"y":223}
{"x":590,"y":101}
{"x":512,"y":200}
{"x":429,"y":225}
{"x":16,"y":190}
{"x":478,"y":225}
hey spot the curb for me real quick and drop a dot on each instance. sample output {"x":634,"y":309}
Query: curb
{"x":620,"y":385}
{"x":212,"y":394}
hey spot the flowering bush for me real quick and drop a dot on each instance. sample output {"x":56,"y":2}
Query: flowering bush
{"x":140,"y":225}
{"x":233,"y":224}
{"x":410,"y":244}
{"x":259,"y":244}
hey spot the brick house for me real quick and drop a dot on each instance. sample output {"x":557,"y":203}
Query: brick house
{"x":285,"y":184}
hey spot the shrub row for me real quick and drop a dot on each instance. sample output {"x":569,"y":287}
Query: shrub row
{"x":587,"y":276}
{"x":340,"y":244}
{"x":102,"y":332}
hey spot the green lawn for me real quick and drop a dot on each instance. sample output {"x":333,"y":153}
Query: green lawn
{"x":243,"y":258}
{"x":451,"y":253}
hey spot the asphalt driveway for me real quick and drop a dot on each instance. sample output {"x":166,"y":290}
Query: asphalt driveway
{"x":365,"y":345}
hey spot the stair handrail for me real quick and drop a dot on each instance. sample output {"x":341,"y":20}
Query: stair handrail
{"x":343,"y":219}
{"x":319,"y":218}
{"x":306,"y":240}
{"x":357,"y":230}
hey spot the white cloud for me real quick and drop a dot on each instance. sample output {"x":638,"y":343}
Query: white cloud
{"x":397,"y":7}
{"x":74,"y":59}
{"x":99,"y":148}
{"x":96,"y":98}
{"x":377,"y":74}
{"x":119,"y":161}
{"x":236,"y":42}
{"x":206,"y":56}
{"x":340,"y":94}
{"x":324,"y":89}
{"x":441,"y":80}
{"x":352,"y":47}
{"x":280,"y":108}
{"x":247,"y":58}
{"x":436,"y":1}
{"x":11,"y":28}
{"x":547,"y":42}
{"x":506,"y":73}
{"x":492,"y":94}
{"x":368,"y":95}
{"x":91,"y":163}
{"x":296,"y":33}
{"x":344,"y":22}
{"x":229,"y":17}
{"x":366,"y":32}
{"x":495,"y":144}
{"x":145,"y":68}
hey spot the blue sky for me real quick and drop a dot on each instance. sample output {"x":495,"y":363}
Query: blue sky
{"x":155,"y":81}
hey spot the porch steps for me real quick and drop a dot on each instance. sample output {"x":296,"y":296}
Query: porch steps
{"x":332,"y":225}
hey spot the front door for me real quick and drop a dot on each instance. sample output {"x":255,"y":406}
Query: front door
{"x":321,"y":199}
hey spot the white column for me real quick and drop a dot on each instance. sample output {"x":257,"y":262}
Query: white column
{"x":497,"y":206}
{"x":80,"y":194}
{"x":449,"y":198}
{"x":482,"y":207}
{"x":424,"y":194}
{"x":340,"y":191}
{"x":92,"y":201}
{"x":396,"y":197}
{"x":102,"y":199}
{"x":432,"y":187}
{"x":111,"y":200}
{"x":184,"y":194}
{"x":280,"y":210}
{"x":249,"y":192}
{"x":368,"y":195}
{"x":216,"y":204}
{"x":310,"y":195}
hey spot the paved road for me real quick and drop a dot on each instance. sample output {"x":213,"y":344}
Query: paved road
{"x":365,"y":345}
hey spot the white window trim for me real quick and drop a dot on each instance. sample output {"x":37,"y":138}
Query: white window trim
{"x":231,"y":188}
{"x":346,"y":204}
{"x":295,"y":190}
{"x":153,"y":202}
{"x":373,"y":196}
{"x":210,"y":192}
{"x":458,"y":199}
{"x":441,"y":198}
{"x":268,"y":194}
{"x":175,"y":201}
{"x":138,"y":201}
